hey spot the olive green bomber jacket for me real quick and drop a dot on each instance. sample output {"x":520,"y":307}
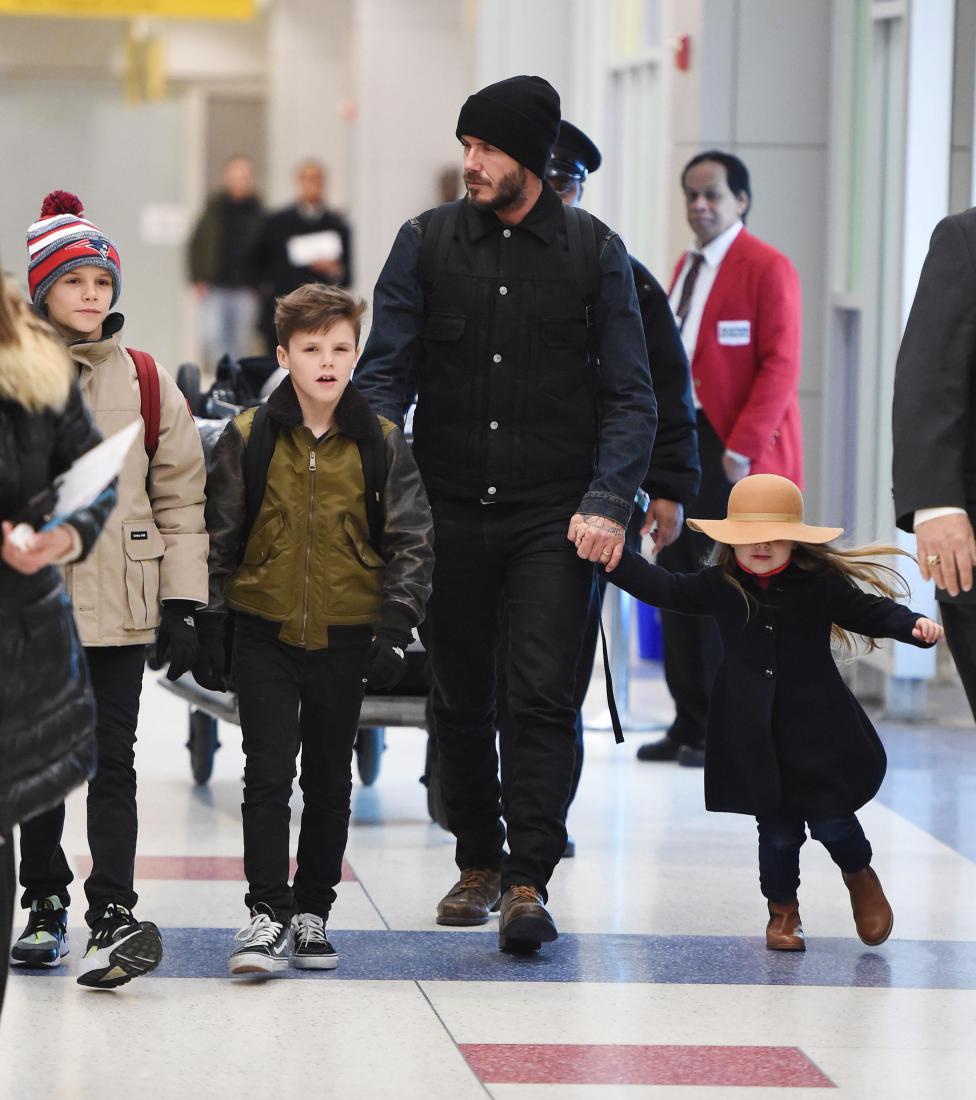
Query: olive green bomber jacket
{"x":308,"y":563}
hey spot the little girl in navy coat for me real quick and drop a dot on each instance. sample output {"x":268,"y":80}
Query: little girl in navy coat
{"x":787,"y":741}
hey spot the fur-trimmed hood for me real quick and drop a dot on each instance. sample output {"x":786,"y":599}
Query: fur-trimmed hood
{"x":353,"y":416}
{"x":36,"y":371}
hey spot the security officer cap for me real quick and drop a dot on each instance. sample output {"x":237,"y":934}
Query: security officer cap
{"x":573,"y":155}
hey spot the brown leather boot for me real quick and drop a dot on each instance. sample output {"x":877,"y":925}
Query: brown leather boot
{"x":873,"y":917}
{"x":525,"y":923}
{"x":784,"y":931}
{"x":472,"y":899}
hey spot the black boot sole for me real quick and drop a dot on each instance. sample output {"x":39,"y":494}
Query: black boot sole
{"x":524,"y":935}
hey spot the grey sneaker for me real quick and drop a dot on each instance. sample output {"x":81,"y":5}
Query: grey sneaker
{"x":310,"y":950}
{"x":264,"y":945}
{"x":44,"y":942}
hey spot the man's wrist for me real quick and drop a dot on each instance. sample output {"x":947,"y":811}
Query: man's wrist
{"x":923,"y":515}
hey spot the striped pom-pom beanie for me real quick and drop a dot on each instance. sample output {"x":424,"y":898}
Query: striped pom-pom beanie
{"x":62,"y":240}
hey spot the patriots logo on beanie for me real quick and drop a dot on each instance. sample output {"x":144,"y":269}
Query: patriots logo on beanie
{"x":62,"y":240}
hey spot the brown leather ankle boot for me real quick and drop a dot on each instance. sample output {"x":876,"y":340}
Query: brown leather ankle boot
{"x":873,"y":917}
{"x":472,"y":899}
{"x":784,"y":931}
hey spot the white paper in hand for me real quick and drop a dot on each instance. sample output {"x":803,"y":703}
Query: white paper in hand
{"x":310,"y":248}
{"x":80,"y":485}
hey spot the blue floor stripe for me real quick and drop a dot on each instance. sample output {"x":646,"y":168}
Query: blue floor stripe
{"x":682,"y":960}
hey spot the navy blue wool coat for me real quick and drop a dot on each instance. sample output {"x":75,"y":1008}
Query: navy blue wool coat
{"x":785,"y":734}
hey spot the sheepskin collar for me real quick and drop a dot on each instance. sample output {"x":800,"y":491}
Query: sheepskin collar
{"x":353,"y":418}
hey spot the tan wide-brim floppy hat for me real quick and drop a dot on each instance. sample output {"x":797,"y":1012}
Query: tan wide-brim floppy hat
{"x":763,"y":508}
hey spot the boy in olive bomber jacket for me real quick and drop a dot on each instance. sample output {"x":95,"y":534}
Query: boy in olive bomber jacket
{"x":319,"y":613}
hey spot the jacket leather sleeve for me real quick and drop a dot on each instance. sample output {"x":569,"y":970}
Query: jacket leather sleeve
{"x":871,"y":615}
{"x":177,"y":476}
{"x":778,"y":336}
{"x":933,"y":409}
{"x":385,"y":374}
{"x":628,"y":413}
{"x":687,"y":593}
{"x":225,"y":513}
{"x":76,"y":434}
{"x":408,"y":538}
{"x":675,"y":470}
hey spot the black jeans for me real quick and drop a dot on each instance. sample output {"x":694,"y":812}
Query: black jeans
{"x":513,"y":561}
{"x":959,"y":620}
{"x":291,"y":698}
{"x":8,"y":891}
{"x":113,"y":824}
{"x":692,"y":644}
{"x":782,"y":836}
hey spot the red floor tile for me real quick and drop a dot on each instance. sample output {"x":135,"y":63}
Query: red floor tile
{"x":214,"y":868}
{"x":561,"y":1064}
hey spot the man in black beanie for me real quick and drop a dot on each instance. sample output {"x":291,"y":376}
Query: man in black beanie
{"x":518,"y":320}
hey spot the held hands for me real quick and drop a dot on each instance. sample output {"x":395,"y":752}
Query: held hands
{"x":386,"y":663}
{"x":927,"y":631}
{"x":33,"y":550}
{"x":663,"y":522}
{"x":176,"y":639}
{"x":597,"y":539}
{"x":210,"y":667}
{"x":947,"y":552}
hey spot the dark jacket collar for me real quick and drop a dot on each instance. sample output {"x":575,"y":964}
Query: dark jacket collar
{"x":354,"y":417}
{"x":542,"y":220}
{"x":790,"y":575}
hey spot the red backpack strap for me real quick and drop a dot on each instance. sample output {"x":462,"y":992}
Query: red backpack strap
{"x":148,"y":375}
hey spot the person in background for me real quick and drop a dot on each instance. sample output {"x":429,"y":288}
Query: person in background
{"x":934,"y":423}
{"x":221,"y":264}
{"x":306,"y":224}
{"x":47,"y":710}
{"x":738,"y":308}
{"x":148,"y":571}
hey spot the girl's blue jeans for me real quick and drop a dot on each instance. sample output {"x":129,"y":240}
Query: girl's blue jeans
{"x":780,"y":838}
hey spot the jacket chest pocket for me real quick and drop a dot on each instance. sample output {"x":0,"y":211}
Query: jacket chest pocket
{"x":144,"y":549}
{"x":563,"y":363}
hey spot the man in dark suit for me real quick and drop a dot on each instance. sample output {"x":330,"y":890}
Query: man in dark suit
{"x":934,"y":420}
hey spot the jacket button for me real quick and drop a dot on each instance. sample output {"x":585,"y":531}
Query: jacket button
{"x":492,"y":490}
{"x":493,"y":425}
{"x":496,"y":358}
{"x":503,"y":290}
{"x":768,"y":627}
{"x":768,"y":673}
{"x":506,"y":232}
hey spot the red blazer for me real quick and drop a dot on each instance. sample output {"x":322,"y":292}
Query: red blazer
{"x":746,"y":368}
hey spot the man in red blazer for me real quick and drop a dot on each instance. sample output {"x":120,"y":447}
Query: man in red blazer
{"x":737,"y":303}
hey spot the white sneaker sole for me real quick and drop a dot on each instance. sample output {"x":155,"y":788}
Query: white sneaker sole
{"x":312,"y":962}
{"x":255,"y":965}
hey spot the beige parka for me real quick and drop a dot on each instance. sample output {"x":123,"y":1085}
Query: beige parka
{"x":154,"y":545}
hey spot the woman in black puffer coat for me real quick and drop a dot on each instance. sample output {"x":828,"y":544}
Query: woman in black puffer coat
{"x":47,"y":743}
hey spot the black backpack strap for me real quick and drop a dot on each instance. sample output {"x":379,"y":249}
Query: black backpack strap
{"x":372,"y":452}
{"x":436,"y":241}
{"x":584,"y":254}
{"x":257,"y":458}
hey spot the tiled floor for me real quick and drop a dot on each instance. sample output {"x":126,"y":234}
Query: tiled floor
{"x":659,"y":986}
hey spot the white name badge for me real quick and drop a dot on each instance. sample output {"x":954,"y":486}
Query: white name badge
{"x":734,"y":334}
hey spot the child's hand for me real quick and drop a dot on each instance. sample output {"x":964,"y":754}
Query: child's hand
{"x":927,"y":631}
{"x":28,"y":554}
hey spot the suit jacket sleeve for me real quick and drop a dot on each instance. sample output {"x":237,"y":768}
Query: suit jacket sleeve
{"x":933,"y":402}
{"x":675,"y":470}
{"x":777,"y":333}
{"x":688,"y":593}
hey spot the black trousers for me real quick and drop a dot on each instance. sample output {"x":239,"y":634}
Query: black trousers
{"x":692,"y":645}
{"x":113,"y":824}
{"x":291,"y":698}
{"x":8,"y":891}
{"x":781,"y":837}
{"x":959,"y":620}
{"x":511,"y":561}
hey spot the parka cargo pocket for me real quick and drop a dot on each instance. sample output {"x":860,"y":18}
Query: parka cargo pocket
{"x":144,"y":549}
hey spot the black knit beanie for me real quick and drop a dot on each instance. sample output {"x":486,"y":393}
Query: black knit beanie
{"x":520,"y":116}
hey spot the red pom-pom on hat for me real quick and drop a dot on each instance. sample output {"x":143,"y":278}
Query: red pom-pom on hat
{"x":61,"y":202}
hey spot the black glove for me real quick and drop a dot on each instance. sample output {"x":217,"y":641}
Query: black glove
{"x":176,"y":640}
{"x":210,"y":667}
{"x":386,"y":664}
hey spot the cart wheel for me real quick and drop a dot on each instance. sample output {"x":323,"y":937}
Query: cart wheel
{"x":370,"y":743}
{"x":203,"y":744}
{"x":188,"y":383}
{"x":431,"y":779}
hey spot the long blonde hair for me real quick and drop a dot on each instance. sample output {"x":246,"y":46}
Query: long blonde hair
{"x":855,"y":563}
{"x":35,"y":368}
